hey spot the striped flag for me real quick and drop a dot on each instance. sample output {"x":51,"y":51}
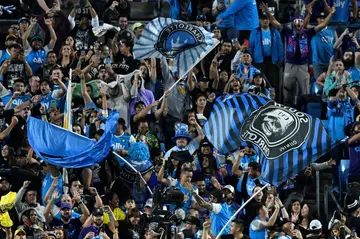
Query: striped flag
{"x":186,"y":44}
{"x":67,"y":111}
{"x":286,"y":140}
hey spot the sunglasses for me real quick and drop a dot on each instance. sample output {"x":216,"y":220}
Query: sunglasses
{"x":298,"y":21}
{"x":15,"y":28}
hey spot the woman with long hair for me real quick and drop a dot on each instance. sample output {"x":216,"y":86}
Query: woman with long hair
{"x":66,"y":59}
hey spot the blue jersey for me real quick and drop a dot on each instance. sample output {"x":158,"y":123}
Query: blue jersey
{"x":355,"y":73}
{"x":340,"y":114}
{"x":4,"y":56}
{"x":342,"y":11}
{"x":46,"y":185}
{"x":259,"y":233}
{"x":51,"y":100}
{"x":246,"y":16}
{"x":250,"y":184}
{"x":19,"y":100}
{"x":220,"y":218}
{"x":122,"y":142}
{"x":266,"y":42}
{"x":36,"y":58}
{"x":322,"y":46}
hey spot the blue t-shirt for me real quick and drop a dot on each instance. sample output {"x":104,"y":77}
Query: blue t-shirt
{"x":73,"y":227}
{"x":355,"y":73}
{"x":51,"y":100}
{"x":36,"y":58}
{"x":221,"y":218}
{"x":342,"y":11}
{"x":340,"y":114}
{"x":46,"y":185}
{"x":250,"y":184}
{"x":122,"y":142}
{"x":266,"y":41}
{"x":322,"y":46}
{"x":19,"y":100}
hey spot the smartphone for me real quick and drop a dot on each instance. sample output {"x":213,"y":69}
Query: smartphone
{"x":246,"y":42}
{"x":234,"y":42}
{"x":352,"y":233}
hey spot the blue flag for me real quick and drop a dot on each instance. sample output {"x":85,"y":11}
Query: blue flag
{"x":286,"y":140}
{"x":186,"y":44}
{"x":63,"y":148}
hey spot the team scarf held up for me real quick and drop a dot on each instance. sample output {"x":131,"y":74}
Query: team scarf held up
{"x":285,"y":139}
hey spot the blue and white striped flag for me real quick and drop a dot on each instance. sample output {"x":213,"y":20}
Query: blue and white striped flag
{"x":185,"y":43}
{"x":286,"y":140}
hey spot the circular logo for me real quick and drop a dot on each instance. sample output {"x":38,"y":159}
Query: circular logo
{"x":276,"y":129}
{"x":177,"y":37}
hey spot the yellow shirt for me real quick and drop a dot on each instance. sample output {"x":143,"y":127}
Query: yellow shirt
{"x":6,"y":203}
{"x":118,"y":213}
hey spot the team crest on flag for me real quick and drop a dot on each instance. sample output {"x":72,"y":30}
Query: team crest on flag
{"x":276,"y":129}
{"x":184,"y":43}
{"x":177,"y":37}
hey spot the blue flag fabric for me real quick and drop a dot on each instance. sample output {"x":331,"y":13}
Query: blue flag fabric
{"x":63,"y":148}
{"x":286,"y":140}
{"x":186,"y":44}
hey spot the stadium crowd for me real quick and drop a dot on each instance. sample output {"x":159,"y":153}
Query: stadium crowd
{"x":313,"y":60}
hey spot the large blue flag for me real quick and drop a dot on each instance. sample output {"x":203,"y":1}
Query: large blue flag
{"x":285,"y":139}
{"x":185,"y":43}
{"x":64,"y":148}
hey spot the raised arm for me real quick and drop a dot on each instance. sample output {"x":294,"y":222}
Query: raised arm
{"x":160,"y":176}
{"x":235,"y":168}
{"x":326,"y":21}
{"x":27,"y":33}
{"x":272,"y":19}
{"x":7,"y":131}
{"x":85,"y":95}
{"x":53,"y":37}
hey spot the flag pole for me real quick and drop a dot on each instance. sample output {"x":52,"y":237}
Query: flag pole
{"x":190,"y":68}
{"x":134,"y":169}
{"x":242,"y":206}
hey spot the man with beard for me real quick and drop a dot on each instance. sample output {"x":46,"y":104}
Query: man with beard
{"x":229,"y":192}
{"x":83,"y":34}
{"x":35,"y":52}
{"x":72,"y":225}
{"x":7,"y":202}
{"x":348,"y":58}
{"x":297,"y":52}
{"x":44,"y":71}
{"x":336,"y":76}
{"x":96,"y":229}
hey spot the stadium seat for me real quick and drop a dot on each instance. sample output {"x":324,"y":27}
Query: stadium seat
{"x":325,"y":123}
{"x":343,"y":174}
{"x":316,"y":89}
{"x":314,"y":109}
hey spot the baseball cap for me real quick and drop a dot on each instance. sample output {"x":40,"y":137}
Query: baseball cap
{"x":315,"y":225}
{"x":200,"y":18}
{"x":97,"y":212}
{"x":11,"y":36}
{"x":23,"y":19}
{"x":230,"y":188}
{"x":137,"y":25}
{"x":37,"y":38}
{"x":149,"y":203}
{"x":65,"y":205}
{"x":205,"y":143}
{"x":20,"y":231}
{"x":2,"y":178}
{"x":321,"y":15}
{"x":258,"y":74}
{"x":214,"y":27}
{"x":203,"y":79}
